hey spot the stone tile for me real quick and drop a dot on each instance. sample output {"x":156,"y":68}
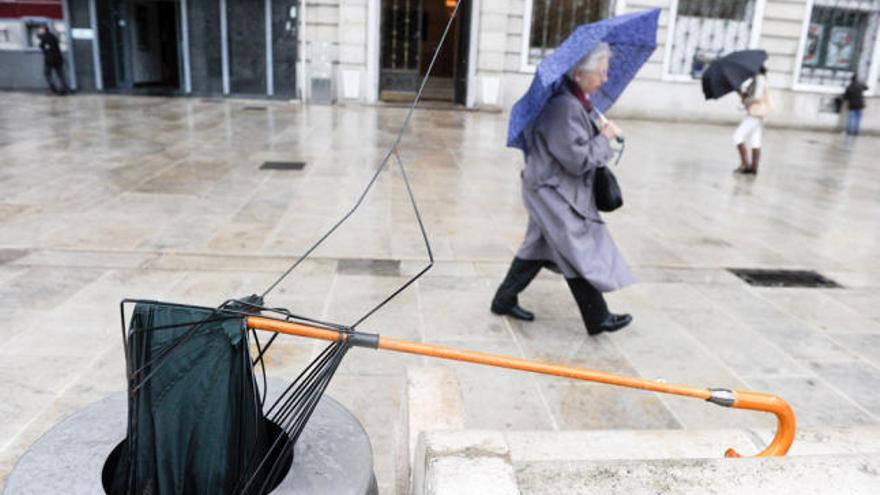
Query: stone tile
{"x":802,"y":341}
{"x":857,"y":379}
{"x":725,"y":337}
{"x":45,"y":288}
{"x":592,"y":406}
{"x":863,"y":301}
{"x":382,"y":268}
{"x":624,"y":444}
{"x":816,"y":404}
{"x":9,"y":255}
{"x":451,"y":310}
{"x":820,"y":310}
{"x":91,"y":259}
{"x":497,"y":398}
{"x":865,"y":345}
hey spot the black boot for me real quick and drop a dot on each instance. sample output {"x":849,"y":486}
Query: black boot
{"x":612,"y":323}
{"x":594,"y":310}
{"x":520,"y":273}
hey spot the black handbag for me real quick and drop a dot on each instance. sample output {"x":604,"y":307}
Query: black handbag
{"x":607,"y":190}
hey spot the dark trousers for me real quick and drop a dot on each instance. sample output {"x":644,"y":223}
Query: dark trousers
{"x":59,"y":73}
{"x":590,"y":301}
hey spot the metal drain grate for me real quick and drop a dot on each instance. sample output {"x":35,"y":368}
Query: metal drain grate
{"x":382,"y":268}
{"x":282,"y":165}
{"x":255,"y":108}
{"x":784,"y":278}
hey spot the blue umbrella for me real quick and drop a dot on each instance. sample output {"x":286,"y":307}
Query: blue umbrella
{"x":632,"y":37}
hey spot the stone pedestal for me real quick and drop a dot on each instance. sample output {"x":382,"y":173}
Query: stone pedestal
{"x":333,"y":454}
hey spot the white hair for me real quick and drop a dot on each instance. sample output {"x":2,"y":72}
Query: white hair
{"x":591,"y":61}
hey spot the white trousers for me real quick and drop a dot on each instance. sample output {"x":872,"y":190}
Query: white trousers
{"x":749,"y":131}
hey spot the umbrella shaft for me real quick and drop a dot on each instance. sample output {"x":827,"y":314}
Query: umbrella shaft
{"x":409,"y":347}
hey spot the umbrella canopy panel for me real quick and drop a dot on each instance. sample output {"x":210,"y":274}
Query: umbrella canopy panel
{"x":195,"y":422}
{"x":727,"y":74}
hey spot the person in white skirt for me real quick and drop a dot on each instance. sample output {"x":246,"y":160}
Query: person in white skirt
{"x":756,"y":101}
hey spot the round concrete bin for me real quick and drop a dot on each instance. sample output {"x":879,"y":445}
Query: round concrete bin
{"x":333,"y":454}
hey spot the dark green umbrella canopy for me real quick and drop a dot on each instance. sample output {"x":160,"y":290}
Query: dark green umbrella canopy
{"x":196,"y":421}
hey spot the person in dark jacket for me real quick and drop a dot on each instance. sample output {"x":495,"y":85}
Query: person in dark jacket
{"x":565,"y":232}
{"x":855,"y":102}
{"x":53,"y":61}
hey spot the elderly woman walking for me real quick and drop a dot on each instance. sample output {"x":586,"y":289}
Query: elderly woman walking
{"x":565,"y":232}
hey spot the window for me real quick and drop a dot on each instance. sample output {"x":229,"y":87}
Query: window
{"x":32,"y":28}
{"x":549,"y":22}
{"x":707,"y":29}
{"x":839,"y":41}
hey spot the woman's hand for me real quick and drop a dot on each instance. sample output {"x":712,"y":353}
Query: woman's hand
{"x":610,"y":130}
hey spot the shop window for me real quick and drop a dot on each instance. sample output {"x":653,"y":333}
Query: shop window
{"x":703,"y":30}
{"x":549,"y":22}
{"x":839,"y":41}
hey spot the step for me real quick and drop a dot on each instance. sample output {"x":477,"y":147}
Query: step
{"x":852,"y":474}
{"x":604,"y":461}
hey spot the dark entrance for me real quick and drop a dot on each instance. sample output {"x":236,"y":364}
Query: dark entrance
{"x":250,"y":49}
{"x":411,"y":31}
{"x":140,"y":45}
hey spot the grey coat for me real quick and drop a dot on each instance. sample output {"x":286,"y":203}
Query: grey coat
{"x":565,"y":228}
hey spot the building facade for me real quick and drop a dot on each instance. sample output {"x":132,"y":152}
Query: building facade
{"x":323,"y":51}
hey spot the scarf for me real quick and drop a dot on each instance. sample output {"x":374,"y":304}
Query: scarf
{"x":579,"y":94}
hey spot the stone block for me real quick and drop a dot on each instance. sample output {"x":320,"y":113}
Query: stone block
{"x":514,"y":43}
{"x":515,"y":25}
{"x":434,"y":401}
{"x":784,"y":11}
{"x":495,"y":6}
{"x":545,"y":446}
{"x":467,"y":476}
{"x":323,"y":14}
{"x":463,"y":462}
{"x":354,"y":35}
{"x":492,"y":42}
{"x":491,"y":61}
{"x":782,"y":28}
{"x":352,"y":14}
{"x":352,"y":54}
{"x":779,"y":45}
{"x":512,"y":62}
{"x":322,"y":33}
{"x":493,"y":22}
{"x":856,"y":474}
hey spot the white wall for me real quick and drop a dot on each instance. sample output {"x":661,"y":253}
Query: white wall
{"x":655,"y":95}
{"x":349,"y":24}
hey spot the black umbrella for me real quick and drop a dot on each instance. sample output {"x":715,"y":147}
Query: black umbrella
{"x":729,"y":72}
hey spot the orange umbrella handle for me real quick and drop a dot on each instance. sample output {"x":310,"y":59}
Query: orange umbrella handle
{"x":723,"y":397}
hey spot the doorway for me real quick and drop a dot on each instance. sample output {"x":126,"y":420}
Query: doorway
{"x":410,"y":32}
{"x":140,"y":45}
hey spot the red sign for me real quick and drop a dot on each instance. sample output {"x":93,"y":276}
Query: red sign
{"x":31,"y":8}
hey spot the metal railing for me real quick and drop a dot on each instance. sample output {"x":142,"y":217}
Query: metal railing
{"x":707,"y":29}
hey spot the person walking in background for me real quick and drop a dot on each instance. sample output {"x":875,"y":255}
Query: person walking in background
{"x":854,"y":96}
{"x":565,"y":232}
{"x":756,"y":101}
{"x":53,"y":61}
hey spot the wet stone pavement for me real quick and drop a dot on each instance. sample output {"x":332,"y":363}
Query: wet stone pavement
{"x":107,"y":197}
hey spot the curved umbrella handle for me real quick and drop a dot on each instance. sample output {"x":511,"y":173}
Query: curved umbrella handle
{"x":786,"y":424}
